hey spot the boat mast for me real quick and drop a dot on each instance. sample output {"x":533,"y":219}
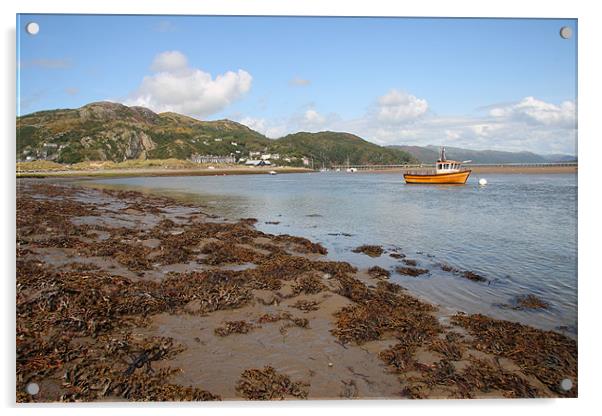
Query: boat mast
{"x":443,"y":153}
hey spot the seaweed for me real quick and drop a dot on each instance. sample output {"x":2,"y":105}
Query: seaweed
{"x":309,"y":284}
{"x":526,"y":302}
{"x":233,"y":327}
{"x":549,"y":356}
{"x":305,"y":305}
{"x":267,"y":384}
{"x":410,"y":271}
{"x":369,"y":250}
{"x":473,"y":276}
{"x":378,"y":272}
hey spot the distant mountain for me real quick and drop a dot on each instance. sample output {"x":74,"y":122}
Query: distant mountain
{"x":115,"y":132}
{"x":429,"y":154}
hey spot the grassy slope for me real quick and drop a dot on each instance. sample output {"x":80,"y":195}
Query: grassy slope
{"x":334,"y":148}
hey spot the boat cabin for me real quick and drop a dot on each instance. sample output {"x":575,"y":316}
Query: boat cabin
{"x":448,"y":166}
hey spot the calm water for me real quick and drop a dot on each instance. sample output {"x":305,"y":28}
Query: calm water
{"x":519,"y":231}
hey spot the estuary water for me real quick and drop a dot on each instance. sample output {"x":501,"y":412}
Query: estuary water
{"x":519,"y":231}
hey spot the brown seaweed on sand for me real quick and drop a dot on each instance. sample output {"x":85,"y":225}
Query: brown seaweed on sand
{"x":300,"y":244}
{"x":306,"y":305}
{"x":369,"y":250}
{"x":220,"y":252}
{"x":549,"y":356}
{"x":283,"y":316}
{"x":267,"y":384}
{"x":309,"y":284}
{"x":448,"y":347}
{"x":480,"y":376}
{"x":378,"y":272}
{"x":233,"y":327}
{"x":122,"y":368}
{"x":381,"y":311}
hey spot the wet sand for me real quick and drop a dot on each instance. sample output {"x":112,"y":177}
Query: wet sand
{"x":125,"y":296}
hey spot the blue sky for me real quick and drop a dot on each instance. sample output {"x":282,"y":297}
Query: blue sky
{"x":480,"y":83}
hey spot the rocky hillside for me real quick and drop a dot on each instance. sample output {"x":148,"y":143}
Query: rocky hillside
{"x":115,"y":132}
{"x":111,"y":131}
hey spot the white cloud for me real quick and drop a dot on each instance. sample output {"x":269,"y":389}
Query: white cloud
{"x":526,"y":125}
{"x":398,"y":107}
{"x":312,"y":117}
{"x":535,"y":111}
{"x":263,"y":126}
{"x":170,"y":61}
{"x":175,"y":86}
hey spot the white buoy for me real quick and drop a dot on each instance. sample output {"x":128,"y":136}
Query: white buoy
{"x":482,"y":181}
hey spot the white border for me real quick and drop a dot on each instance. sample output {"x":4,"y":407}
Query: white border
{"x":590,"y":24}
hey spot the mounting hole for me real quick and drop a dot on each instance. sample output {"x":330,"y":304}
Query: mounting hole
{"x":32,"y":28}
{"x":32,"y":388}
{"x":566,"y":384}
{"x":566,"y":32}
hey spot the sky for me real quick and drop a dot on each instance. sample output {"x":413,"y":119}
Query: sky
{"x":503,"y":84}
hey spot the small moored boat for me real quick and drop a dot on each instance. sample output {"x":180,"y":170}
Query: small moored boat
{"x":445,"y":172}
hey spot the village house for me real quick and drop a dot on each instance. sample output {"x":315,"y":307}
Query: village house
{"x":212,"y":159}
{"x":260,"y":162}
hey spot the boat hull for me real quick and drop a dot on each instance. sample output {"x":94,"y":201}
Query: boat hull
{"x":442,"y":178}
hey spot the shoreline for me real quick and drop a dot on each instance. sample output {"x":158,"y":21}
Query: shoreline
{"x":117,"y":173}
{"x":150,"y":172}
{"x":236,"y":310}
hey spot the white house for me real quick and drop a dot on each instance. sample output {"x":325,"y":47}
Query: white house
{"x":257,"y":163}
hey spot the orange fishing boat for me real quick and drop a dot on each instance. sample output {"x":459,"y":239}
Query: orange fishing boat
{"x":445,"y":172}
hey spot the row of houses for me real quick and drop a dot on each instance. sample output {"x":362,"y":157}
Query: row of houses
{"x":212,"y":159}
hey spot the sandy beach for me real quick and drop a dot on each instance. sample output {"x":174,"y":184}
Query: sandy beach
{"x":126,"y":296}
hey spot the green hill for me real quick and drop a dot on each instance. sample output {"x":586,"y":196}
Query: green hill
{"x":114,"y":132}
{"x":332,"y":148}
{"x":111,"y":131}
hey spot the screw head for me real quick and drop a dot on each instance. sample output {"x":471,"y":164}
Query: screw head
{"x":566,"y":32}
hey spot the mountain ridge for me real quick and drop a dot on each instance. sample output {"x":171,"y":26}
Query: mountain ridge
{"x":430,"y":153}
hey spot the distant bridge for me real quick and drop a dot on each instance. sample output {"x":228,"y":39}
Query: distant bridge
{"x":432,"y":166}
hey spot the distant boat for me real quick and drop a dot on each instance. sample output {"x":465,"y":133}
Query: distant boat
{"x":351,"y":170}
{"x":446,"y":172}
{"x":273,"y":172}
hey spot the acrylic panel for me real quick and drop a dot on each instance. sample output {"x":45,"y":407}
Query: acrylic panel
{"x":297,"y":208}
